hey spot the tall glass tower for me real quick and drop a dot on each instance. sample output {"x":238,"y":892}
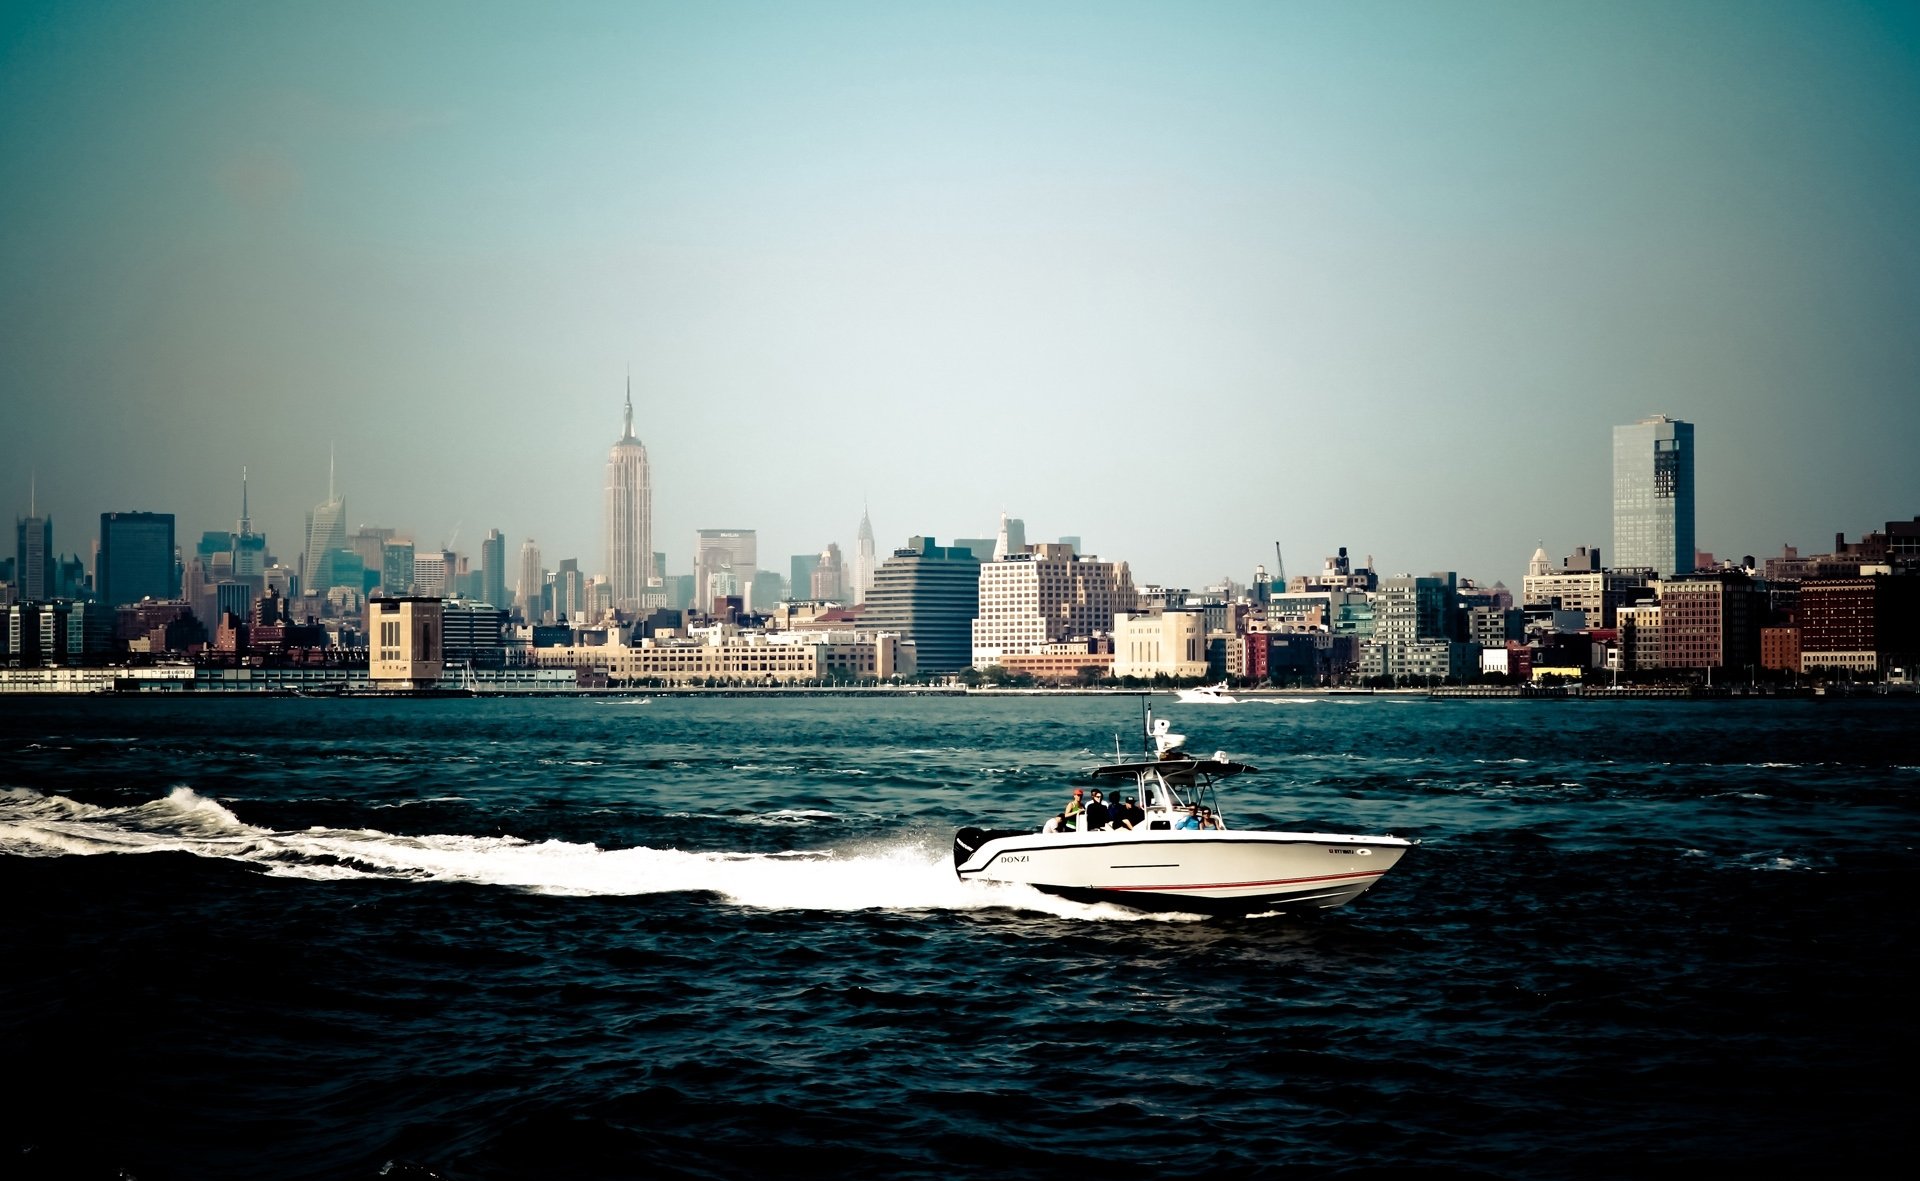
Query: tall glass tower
{"x":1653,"y":496}
{"x":629,"y":518}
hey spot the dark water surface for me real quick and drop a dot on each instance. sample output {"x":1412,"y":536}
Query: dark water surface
{"x":269,"y":938}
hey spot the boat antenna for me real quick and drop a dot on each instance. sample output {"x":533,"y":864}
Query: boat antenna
{"x":1146,"y":724}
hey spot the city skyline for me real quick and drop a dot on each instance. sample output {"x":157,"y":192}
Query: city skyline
{"x":1220,"y":277}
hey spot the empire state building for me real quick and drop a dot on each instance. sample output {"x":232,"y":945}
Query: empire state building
{"x":629,"y":519}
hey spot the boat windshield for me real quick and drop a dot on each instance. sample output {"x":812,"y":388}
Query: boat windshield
{"x":1156,"y":794}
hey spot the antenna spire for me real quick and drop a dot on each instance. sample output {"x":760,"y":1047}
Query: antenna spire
{"x":329,"y":473}
{"x":246,"y":522}
{"x":629,"y":418}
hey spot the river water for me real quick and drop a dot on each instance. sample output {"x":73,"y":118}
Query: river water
{"x":677,"y":937}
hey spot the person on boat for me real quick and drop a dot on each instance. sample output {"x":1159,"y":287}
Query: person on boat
{"x":1055,"y":823}
{"x":1074,"y":806}
{"x":1136,"y":815}
{"x":1097,"y":815}
{"x":1191,"y":821}
{"x":1211,"y":819}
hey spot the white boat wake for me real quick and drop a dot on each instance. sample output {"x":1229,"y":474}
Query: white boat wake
{"x":883,"y":875}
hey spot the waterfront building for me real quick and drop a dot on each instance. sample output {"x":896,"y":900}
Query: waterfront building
{"x":1709,"y":620}
{"x":1861,"y":625}
{"x":473,"y":635}
{"x":863,"y":559}
{"x":1417,"y":631}
{"x":136,"y":558}
{"x":726,"y":655}
{"x":404,"y":642}
{"x":326,"y":532}
{"x":493,"y":568}
{"x":1653,"y":473}
{"x":57,"y":634}
{"x":1085,"y":660}
{"x":1492,"y":627}
{"x":1172,"y":643}
{"x":1045,"y":594}
{"x":1639,"y":628}
{"x":527,"y":593}
{"x":629,"y":509}
{"x":928,"y":594}
{"x":1780,"y":649}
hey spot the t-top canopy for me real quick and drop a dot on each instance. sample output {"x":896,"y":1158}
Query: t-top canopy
{"x":1175,"y":770}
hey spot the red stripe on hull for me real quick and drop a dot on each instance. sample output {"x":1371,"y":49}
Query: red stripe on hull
{"x":1246,"y":885}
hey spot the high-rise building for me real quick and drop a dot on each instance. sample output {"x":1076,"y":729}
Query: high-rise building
{"x":1042,"y":595}
{"x":930,"y":595}
{"x":493,"y":569}
{"x":136,"y":558}
{"x":1012,"y":538}
{"x":326,"y":532}
{"x":249,"y":553}
{"x":765,"y":591}
{"x":396,"y":567}
{"x":528,"y":592}
{"x":33,"y":555}
{"x":569,"y":590}
{"x":800,"y":574}
{"x":863,"y":559}
{"x":1418,"y":630}
{"x":433,"y":572}
{"x":733,"y":552}
{"x":629,"y":502}
{"x":829,"y":575}
{"x":1653,"y":496}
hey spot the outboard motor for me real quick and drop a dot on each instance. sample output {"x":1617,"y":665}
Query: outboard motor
{"x":965,"y":842}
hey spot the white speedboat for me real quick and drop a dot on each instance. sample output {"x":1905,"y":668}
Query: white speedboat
{"x":1207,"y":695}
{"x":1158,"y":865}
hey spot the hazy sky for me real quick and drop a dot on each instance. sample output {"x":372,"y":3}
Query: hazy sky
{"x":1183,"y":279}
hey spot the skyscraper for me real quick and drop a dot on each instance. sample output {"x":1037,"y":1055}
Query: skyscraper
{"x":326,"y":532}
{"x":829,"y":575}
{"x":493,"y":569}
{"x":33,"y":555}
{"x":863,"y":561}
{"x":249,"y":553}
{"x":136,"y":558}
{"x":1653,"y":496}
{"x":930,"y":595}
{"x":532,"y":582}
{"x":629,"y":518}
{"x":729,"y":555}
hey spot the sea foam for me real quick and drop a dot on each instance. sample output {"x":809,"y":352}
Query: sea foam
{"x":902,"y":873}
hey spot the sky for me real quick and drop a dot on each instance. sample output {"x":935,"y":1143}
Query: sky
{"x":1186,"y":280}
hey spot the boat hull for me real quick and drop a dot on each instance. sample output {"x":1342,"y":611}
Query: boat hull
{"x":1201,"y":872}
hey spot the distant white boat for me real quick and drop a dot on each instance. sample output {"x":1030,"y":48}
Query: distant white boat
{"x":1207,"y":695}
